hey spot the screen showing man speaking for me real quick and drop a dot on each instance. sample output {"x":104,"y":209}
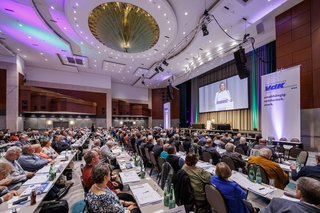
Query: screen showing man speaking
{"x":228,"y":94}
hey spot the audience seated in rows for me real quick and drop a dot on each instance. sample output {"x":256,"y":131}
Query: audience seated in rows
{"x":48,"y":150}
{"x":238,"y":162}
{"x":29,"y":161}
{"x":101,"y":198}
{"x":272,"y":169}
{"x":58,"y":144}
{"x":198,"y":179}
{"x":231,"y":191}
{"x":307,"y":191}
{"x":175,"y":161}
{"x":17,"y":174}
{"x":212,"y":150}
{"x":307,"y":171}
{"x":243,"y":145}
{"x":5,"y":194}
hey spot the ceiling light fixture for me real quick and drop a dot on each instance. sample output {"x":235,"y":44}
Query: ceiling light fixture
{"x":161,"y":69}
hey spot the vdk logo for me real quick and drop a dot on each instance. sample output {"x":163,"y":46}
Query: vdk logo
{"x":274,"y":86}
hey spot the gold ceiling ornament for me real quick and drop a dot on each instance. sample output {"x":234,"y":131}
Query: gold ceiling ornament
{"x":124,"y":27}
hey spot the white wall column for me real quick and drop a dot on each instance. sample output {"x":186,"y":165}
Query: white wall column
{"x":109,"y":108}
{"x":12,"y":98}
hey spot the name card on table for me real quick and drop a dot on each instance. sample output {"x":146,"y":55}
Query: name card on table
{"x":116,"y":150}
{"x":129,"y":177}
{"x":145,"y":194}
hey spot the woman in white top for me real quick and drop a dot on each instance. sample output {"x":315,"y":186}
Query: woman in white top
{"x":48,"y":150}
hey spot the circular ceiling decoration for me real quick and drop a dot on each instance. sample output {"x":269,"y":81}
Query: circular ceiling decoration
{"x":124,"y":27}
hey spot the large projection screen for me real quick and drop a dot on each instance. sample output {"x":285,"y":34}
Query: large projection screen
{"x":227,"y":94}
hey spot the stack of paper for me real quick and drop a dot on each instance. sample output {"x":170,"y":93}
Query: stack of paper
{"x":145,"y":194}
{"x":260,"y":189}
{"x":42,"y":178}
{"x":40,"y":188}
{"x":129,"y":177}
{"x":211,"y":170}
{"x":116,"y":150}
{"x":203,"y":165}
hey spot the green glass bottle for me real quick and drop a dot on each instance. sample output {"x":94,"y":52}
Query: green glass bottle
{"x":172,"y":201}
{"x":166,"y":194}
{"x":258,"y":175}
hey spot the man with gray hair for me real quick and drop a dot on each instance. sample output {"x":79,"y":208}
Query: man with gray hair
{"x":307,"y":191}
{"x":17,"y":174}
{"x":307,"y":171}
{"x":29,"y":161}
{"x":238,"y":162}
{"x":106,"y":154}
{"x":272,"y":169}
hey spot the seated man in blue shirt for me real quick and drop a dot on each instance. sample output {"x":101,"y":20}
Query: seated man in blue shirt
{"x":307,"y":171}
{"x":29,"y":161}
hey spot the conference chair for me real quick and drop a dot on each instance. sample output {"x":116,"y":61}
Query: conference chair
{"x":147,"y":152}
{"x":239,"y":150}
{"x":264,"y":175}
{"x":254,"y":152}
{"x":181,"y":148}
{"x":229,"y":162}
{"x":206,"y":156}
{"x":167,"y":173}
{"x":303,"y":157}
{"x":136,"y":149}
{"x":216,"y":200}
{"x":154,"y":164}
{"x":294,"y":152}
{"x":295,"y":140}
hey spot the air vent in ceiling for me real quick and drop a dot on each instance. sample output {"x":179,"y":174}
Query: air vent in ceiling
{"x":75,"y":60}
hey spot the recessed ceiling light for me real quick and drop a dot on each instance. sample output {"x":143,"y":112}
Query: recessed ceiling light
{"x":64,"y":28}
{"x":116,"y":57}
{"x":165,"y":14}
{"x":77,"y":4}
{"x":29,"y":37}
{"x":225,"y":30}
{"x":99,"y":52}
{"x":46,"y":59}
{"x":186,"y":13}
{"x":52,"y":7}
{"x":81,"y":42}
{"x":86,"y":37}
{"x":168,"y":22}
{"x":20,"y":25}
{"x":95,"y":65}
{"x":95,"y":60}
{"x":77,"y":25}
{"x":18,"y":49}
{"x":159,"y":6}
{"x":41,"y":53}
{"x":169,"y":28}
{"x":132,"y":59}
{"x":210,"y":41}
{"x":74,"y":18}
{"x":220,"y":48}
{"x":184,"y":33}
{"x":74,"y":11}
{"x":24,"y":56}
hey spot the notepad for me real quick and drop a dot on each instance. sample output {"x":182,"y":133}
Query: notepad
{"x":37,"y":179}
{"x":145,"y":194}
{"x":40,"y":188}
{"x":260,"y":189}
{"x":129,"y":177}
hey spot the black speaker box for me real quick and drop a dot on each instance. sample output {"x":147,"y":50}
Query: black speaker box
{"x":241,"y":60}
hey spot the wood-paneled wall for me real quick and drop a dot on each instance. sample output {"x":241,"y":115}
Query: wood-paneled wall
{"x":298,"y":42}
{"x":99,"y":98}
{"x":159,"y":97}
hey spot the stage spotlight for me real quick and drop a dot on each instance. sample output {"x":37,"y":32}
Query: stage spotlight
{"x":161,"y":69}
{"x":157,"y":70}
{"x":165,"y":63}
{"x":204,"y":29}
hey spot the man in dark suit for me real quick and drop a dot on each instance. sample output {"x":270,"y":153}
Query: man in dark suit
{"x":307,"y":191}
{"x":212,"y":150}
{"x":307,"y":171}
{"x":158,"y":148}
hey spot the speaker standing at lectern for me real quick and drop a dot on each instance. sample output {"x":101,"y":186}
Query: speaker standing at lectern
{"x":222,"y":100}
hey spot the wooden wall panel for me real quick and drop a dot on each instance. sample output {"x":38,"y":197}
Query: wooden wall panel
{"x":3,"y":91}
{"x":295,"y":43}
{"x":159,"y":97}
{"x":99,"y":98}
